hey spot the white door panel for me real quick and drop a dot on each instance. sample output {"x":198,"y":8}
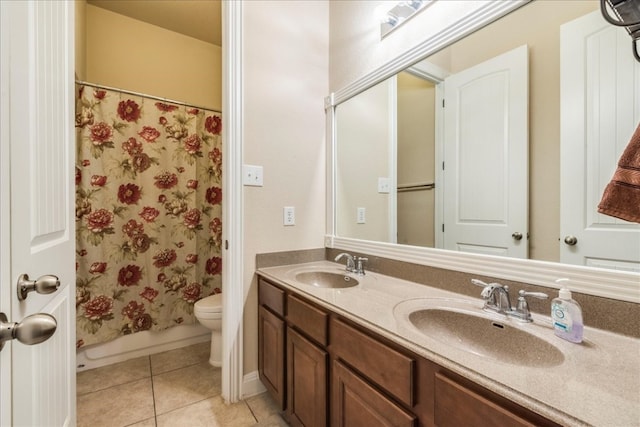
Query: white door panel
{"x":41,"y":216}
{"x":486,"y":157}
{"x":600,"y":106}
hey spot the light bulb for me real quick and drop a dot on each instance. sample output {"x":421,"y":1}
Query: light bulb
{"x":414,"y":4}
{"x":380,"y":13}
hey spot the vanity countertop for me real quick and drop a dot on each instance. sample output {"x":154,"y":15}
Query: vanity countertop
{"x":597,"y":384}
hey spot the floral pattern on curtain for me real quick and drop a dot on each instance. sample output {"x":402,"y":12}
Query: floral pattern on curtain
{"x":148,"y":213}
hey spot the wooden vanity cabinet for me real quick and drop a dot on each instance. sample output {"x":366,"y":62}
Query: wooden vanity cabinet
{"x":292,"y":356}
{"x":337,"y":373}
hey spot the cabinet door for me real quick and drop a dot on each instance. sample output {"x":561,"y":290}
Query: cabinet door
{"x":271,"y":330}
{"x":355,"y":403}
{"x":306,"y":381}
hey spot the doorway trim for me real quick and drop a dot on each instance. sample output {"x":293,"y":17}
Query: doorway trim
{"x":233,"y":213}
{"x":5,"y":249}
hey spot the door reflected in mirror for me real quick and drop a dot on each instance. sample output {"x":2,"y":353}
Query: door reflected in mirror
{"x":413,"y":169}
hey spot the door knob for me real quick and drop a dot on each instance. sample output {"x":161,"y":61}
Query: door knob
{"x":571,"y":240}
{"x":517,"y":235}
{"x":33,"y":329}
{"x":43,"y":285}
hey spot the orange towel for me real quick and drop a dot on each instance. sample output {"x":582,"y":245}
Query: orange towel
{"x":621,"y":198}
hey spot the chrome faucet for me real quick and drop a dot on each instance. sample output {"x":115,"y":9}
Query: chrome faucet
{"x":522,"y":308}
{"x":360,"y":265}
{"x":351,"y":264}
{"x":496,"y":297}
{"x":354,"y":264}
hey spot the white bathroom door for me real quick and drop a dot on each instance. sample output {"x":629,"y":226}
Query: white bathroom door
{"x":486,"y":141}
{"x":38,"y":221}
{"x":600,"y":109}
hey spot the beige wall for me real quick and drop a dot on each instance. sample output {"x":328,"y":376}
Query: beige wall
{"x":128,"y":54}
{"x":285,"y":65}
{"x":364,"y":126}
{"x":355,"y":50}
{"x":81,"y":39}
{"x":365,"y":130}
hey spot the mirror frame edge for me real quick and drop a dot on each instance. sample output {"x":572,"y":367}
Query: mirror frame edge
{"x":620,"y":285}
{"x":604,"y":283}
{"x":490,"y":11}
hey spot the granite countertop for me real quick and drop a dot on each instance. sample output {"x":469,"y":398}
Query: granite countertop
{"x":598,"y":383}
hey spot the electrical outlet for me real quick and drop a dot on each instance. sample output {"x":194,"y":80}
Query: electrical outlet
{"x":361,"y":219}
{"x":252,"y":175}
{"x":289,"y":215}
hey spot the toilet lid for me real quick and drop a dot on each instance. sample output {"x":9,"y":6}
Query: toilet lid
{"x":210,"y":304}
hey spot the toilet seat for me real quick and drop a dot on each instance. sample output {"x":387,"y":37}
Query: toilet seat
{"x":211,"y":304}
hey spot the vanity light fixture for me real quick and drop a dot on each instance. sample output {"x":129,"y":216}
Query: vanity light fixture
{"x":627,"y":14}
{"x":398,"y":14}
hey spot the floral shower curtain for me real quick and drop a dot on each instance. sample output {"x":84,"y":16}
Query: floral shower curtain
{"x":148,"y":213}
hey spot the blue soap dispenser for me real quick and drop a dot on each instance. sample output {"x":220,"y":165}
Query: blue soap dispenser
{"x":566,"y":314}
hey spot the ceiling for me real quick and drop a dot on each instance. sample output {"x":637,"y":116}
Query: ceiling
{"x":200,"y":19}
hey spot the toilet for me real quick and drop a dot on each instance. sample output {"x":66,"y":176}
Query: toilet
{"x":208,"y":311}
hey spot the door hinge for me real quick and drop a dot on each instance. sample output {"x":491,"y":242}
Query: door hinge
{"x":442,"y":165}
{"x":443,"y":103}
{"x":443,"y":228}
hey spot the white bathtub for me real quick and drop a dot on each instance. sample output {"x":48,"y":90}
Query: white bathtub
{"x":140,"y":344}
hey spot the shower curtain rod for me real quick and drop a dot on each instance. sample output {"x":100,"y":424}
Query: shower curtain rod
{"x":130,"y":92}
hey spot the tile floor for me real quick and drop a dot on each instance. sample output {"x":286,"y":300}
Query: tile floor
{"x":176,"y":388}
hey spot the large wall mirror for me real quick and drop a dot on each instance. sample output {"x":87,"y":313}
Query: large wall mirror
{"x":499,"y":144}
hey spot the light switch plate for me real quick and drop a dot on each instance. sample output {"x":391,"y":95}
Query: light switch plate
{"x":252,"y":175}
{"x":384,"y":185}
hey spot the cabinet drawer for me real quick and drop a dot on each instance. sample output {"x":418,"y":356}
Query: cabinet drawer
{"x":271,"y":296}
{"x":456,"y":405}
{"x":308,"y":319}
{"x":390,"y":369}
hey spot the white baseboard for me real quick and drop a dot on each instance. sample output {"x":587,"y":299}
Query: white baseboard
{"x":251,"y":385}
